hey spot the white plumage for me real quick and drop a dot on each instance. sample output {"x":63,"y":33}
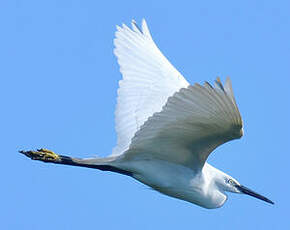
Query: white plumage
{"x":159,"y":115}
{"x":166,"y":128}
{"x":148,"y":80}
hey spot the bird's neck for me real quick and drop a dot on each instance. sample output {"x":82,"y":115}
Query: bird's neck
{"x":214,"y":193}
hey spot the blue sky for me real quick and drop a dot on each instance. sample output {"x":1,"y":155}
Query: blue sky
{"x":58,"y":90}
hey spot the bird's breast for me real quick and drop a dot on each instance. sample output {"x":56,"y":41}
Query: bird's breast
{"x":177,"y":181}
{"x":173,"y":180}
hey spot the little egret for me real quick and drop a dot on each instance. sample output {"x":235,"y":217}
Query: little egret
{"x":165,"y":127}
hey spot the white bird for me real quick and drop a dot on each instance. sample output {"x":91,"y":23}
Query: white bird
{"x":166,"y":128}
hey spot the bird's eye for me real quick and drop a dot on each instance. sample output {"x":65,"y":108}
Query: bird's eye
{"x":230,"y":181}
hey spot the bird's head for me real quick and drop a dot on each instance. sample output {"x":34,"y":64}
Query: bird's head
{"x":229,"y":184}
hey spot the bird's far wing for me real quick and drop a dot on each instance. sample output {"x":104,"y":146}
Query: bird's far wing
{"x":148,"y":80}
{"x":194,"y":121}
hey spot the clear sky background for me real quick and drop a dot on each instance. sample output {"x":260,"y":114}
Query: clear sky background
{"x":59,"y":79}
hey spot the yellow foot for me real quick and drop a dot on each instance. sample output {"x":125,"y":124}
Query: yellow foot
{"x":42,"y":155}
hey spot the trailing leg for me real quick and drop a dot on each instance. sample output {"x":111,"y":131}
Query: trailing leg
{"x":48,"y":156}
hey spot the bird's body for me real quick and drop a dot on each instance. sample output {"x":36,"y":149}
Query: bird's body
{"x":166,"y":128}
{"x":181,"y":182}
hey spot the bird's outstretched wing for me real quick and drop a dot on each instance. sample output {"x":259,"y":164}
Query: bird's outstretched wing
{"x":194,"y":121}
{"x":148,"y":80}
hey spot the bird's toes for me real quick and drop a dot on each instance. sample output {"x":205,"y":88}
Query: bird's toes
{"x":42,"y":155}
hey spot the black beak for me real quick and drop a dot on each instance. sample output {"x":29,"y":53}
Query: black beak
{"x":248,"y":191}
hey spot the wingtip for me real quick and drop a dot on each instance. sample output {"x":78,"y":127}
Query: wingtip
{"x":206,"y":83}
{"x":218,"y":84}
{"x":218,"y":79}
{"x":135,"y":26}
{"x":145,"y":28}
{"x":144,"y":21}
